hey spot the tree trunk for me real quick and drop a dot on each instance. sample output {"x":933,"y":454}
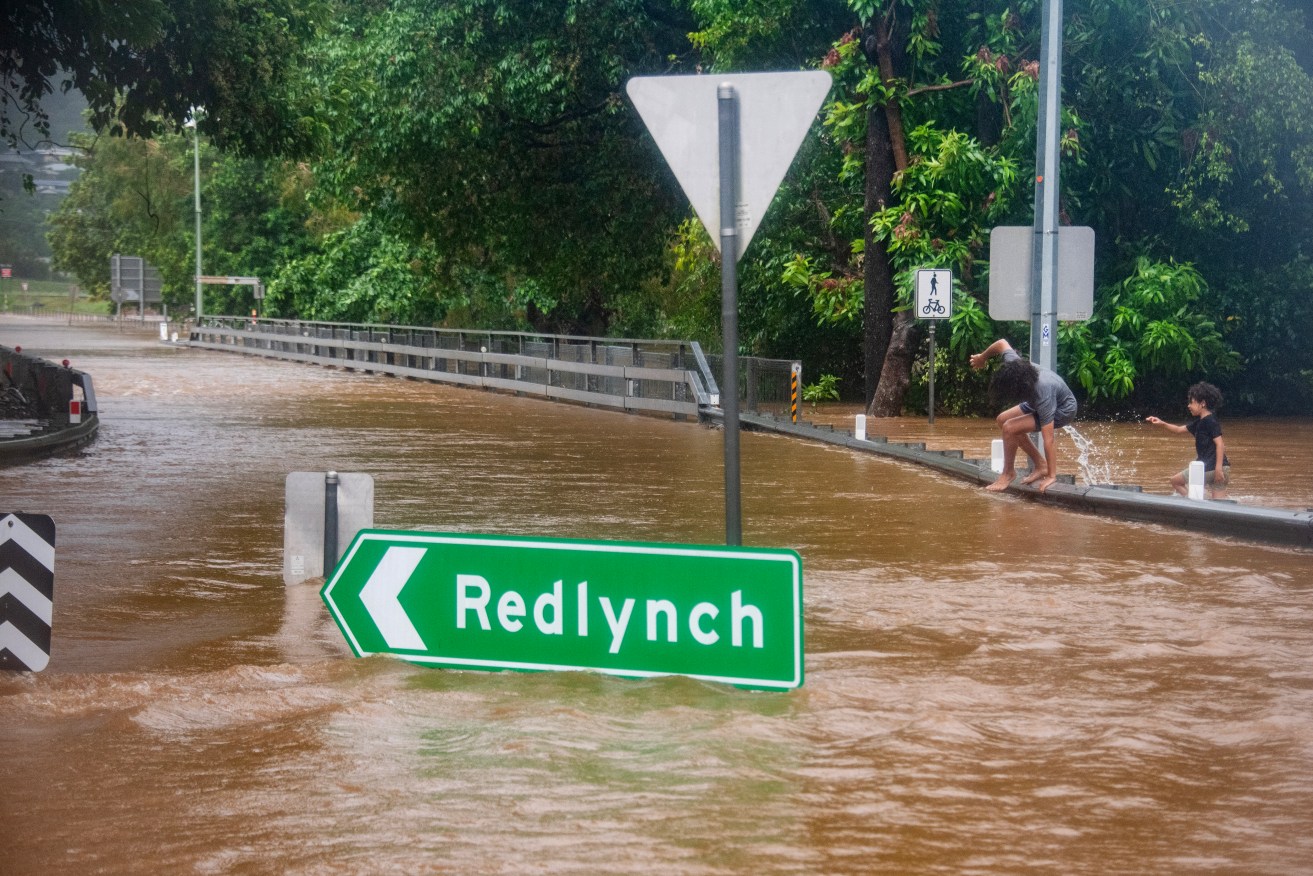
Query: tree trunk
{"x":877,"y":274}
{"x":896,"y":376}
{"x":885,"y":155}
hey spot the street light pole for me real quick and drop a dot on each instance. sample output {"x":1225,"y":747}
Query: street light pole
{"x":1044,"y":256}
{"x":196,"y":153}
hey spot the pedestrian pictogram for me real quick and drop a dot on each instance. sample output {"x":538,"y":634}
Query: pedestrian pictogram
{"x":27,"y":590}
{"x":934,"y":293}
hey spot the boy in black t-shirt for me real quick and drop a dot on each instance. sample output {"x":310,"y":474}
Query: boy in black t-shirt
{"x":1203,"y":400}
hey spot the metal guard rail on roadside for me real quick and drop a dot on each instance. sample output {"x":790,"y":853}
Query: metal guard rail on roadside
{"x":647,"y":375}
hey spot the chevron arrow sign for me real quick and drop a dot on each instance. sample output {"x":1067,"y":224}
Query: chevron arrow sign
{"x":465,"y":601}
{"x":27,"y":590}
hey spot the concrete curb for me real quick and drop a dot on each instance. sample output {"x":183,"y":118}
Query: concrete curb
{"x":1127,"y":502}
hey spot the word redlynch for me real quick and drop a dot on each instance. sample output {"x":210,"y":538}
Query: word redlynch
{"x":662,"y":617}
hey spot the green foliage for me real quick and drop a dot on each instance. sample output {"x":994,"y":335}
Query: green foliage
{"x":132,"y":197}
{"x":136,"y":197}
{"x":500,"y":139}
{"x":143,"y":65}
{"x":477,"y":162}
{"x":372,"y":275}
{"x":826,"y":388}
{"x":1151,"y":325}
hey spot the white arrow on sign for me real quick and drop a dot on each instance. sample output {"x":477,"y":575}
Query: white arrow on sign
{"x":775,"y":113}
{"x":380,"y":593}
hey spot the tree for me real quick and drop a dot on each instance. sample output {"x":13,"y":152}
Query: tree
{"x":132,"y":197}
{"x":500,"y":139}
{"x":1199,"y":151}
{"x":135,"y":197}
{"x":144,"y":64}
{"x":1185,"y":131}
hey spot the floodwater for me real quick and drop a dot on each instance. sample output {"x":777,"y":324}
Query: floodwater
{"x":993,"y":685}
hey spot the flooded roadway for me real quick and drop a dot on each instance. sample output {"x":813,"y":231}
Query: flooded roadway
{"x":993,"y":685}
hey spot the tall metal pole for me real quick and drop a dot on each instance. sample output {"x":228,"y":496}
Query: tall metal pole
{"x":932,"y":372}
{"x":1044,"y":264}
{"x":196,"y":154}
{"x":727,"y":113}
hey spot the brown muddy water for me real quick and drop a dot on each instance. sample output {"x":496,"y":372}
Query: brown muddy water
{"x":993,"y":685}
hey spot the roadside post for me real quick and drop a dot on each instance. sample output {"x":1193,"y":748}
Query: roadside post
{"x":27,"y":590}
{"x":323,"y":510}
{"x":795,"y":378}
{"x":729,"y":140}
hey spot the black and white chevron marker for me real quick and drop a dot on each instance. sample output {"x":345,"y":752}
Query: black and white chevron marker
{"x":27,"y":590}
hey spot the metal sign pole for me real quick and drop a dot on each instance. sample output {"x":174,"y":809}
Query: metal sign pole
{"x":728,"y":120}
{"x":932,"y":373}
{"x":1044,"y":272}
{"x":196,"y":177}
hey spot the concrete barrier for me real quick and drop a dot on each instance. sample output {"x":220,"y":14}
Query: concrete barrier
{"x":1128,"y":502}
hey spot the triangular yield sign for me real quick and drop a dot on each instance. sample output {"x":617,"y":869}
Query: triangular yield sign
{"x":775,"y":113}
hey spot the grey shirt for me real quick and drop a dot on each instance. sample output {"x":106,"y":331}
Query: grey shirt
{"x":1053,"y":401}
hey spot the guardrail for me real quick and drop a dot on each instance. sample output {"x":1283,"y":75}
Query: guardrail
{"x":765,"y":385}
{"x":639,"y":375}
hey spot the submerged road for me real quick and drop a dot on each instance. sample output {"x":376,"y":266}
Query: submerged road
{"x":992,"y":684}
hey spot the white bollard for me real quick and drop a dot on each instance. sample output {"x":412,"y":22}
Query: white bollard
{"x":996,"y":455}
{"x":860,"y":431}
{"x":164,"y":331}
{"x":1196,"y":489}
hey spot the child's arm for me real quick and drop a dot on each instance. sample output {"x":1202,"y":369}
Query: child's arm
{"x":1221,"y":456}
{"x":980,"y":360}
{"x":1168,"y":426}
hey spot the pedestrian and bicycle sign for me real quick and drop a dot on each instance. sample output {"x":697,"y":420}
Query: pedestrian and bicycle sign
{"x":934,"y":293}
{"x":726,"y":614}
{"x":27,"y":590}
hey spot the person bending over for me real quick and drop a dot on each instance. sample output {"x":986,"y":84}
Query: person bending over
{"x":1044,"y":402}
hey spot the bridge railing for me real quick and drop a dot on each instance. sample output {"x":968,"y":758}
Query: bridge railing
{"x":646,"y":375}
{"x":764,"y":384}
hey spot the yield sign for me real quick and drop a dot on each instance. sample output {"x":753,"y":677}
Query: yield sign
{"x":775,"y":113}
{"x":727,"y":614}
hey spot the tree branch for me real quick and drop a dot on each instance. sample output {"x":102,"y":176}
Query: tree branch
{"x":911,"y":92}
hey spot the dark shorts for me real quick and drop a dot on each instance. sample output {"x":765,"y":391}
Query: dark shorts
{"x":1058,"y":419}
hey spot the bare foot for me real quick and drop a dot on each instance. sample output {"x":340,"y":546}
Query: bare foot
{"x":1004,"y":481}
{"x":1032,"y":477}
{"x":1044,"y":484}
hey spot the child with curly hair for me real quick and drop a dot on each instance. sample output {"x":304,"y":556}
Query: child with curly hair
{"x":1203,"y":400}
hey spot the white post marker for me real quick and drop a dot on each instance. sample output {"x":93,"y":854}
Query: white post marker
{"x":996,"y":456}
{"x":1196,"y":487}
{"x":860,"y":431}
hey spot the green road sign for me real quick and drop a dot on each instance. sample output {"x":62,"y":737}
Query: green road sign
{"x":728,"y":614}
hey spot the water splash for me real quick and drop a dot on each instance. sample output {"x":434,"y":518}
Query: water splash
{"x":1095,"y":466}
